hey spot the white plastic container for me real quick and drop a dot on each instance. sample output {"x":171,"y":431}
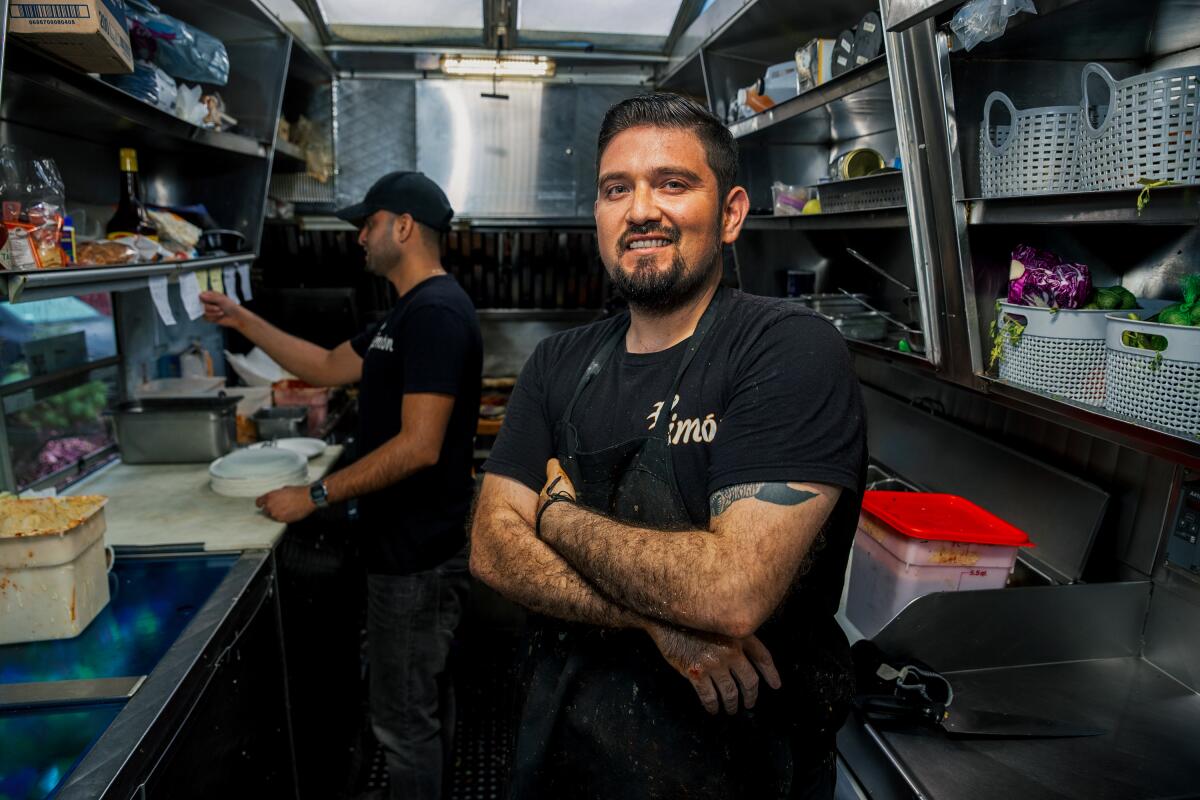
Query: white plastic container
{"x":890,"y":569}
{"x":52,"y":585}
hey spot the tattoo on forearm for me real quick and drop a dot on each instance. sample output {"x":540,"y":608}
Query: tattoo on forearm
{"x":778,"y":493}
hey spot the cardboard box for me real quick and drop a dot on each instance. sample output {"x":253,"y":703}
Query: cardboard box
{"x":90,"y":34}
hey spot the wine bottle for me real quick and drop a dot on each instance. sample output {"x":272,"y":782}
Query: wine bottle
{"x":131,"y":218}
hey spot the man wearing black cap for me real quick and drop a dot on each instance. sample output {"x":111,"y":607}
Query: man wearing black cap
{"x":419,"y":371}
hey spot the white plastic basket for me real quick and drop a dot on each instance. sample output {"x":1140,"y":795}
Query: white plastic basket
{"x":1148,"y":133}
{"x":1158,"y":387}
{"x":1060,"y":352}
{"x":1034,"y":154}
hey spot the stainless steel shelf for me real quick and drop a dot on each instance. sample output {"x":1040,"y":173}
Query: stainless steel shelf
{"x":1099,"y":423}
{"x":288,"y":150}
{"x":847,"y":83}
{"x":1169,"y":205}
{"x":891,"y":217}
{"x":43,"y":94}
{"x":887,"y":353}
{"x":20,"y":287}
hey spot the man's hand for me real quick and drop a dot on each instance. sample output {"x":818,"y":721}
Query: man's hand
{"x":706,"y":660}
{"x":289,"y":504}
{"x":220,"y":309}
{"x":557,"y":483}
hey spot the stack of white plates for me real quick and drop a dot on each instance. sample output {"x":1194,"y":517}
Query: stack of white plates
{"x":309,"y":448}
{"x":250,"y":473}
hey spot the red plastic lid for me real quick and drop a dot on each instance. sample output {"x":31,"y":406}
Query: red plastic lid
{"x":943,"y":517}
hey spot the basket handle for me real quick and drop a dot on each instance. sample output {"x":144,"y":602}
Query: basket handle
{"x":1138,"y":347}
{"x":1088,"y":71}
{"x":993,"y":98}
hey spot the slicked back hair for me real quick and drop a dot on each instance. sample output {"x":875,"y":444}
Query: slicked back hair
{"x":666,"y":110}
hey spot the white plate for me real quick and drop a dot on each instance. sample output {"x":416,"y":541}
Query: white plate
{"x":268,"y":463}
{"x":256,"y":488}
{"x":309,"y":448}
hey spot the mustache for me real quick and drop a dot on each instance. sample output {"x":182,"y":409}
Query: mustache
{"x":666,"y":231}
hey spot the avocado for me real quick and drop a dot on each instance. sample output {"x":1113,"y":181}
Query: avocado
{"x":1108,"y":298}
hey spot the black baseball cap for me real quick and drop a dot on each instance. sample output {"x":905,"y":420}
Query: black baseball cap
{"x":403,"y":193}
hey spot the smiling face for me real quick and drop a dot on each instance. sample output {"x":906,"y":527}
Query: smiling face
{"x":660,"y":217}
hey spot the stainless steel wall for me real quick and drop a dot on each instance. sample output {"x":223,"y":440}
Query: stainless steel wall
{"x":532,"y":155}
{"x":374,"y":133}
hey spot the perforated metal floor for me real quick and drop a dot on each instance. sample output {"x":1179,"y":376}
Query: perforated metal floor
{"x":485,"y":684}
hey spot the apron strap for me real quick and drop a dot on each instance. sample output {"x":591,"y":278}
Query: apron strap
{"x":602,"y":355}
{"x":663,"y":424}
{"x":610,"y":345}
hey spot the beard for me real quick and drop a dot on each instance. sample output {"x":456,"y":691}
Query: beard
{"x":656,"y":292}
{"x":382,"y":259}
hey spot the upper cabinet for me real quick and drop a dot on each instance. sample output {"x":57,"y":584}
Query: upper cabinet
{"x":808,"y":92}
{"x":215,"y":175}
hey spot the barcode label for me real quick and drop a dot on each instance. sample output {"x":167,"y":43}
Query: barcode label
{"x":51,"y":11}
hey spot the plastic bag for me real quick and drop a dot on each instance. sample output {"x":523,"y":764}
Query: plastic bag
{"x":185,"y":52}
{"x":789,"y":200}
{"x":32,"y":197}
{"x":188,"y":106}
{"x":149,"y":83}
{"x":985,"y":20}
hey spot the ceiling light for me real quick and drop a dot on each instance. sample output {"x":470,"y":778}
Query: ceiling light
{"x":502,"y":67}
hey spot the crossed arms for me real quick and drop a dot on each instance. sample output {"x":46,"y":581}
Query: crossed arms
{"x":700,"y":594}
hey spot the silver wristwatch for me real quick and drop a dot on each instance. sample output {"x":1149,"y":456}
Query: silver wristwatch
{"x":319,"y":494}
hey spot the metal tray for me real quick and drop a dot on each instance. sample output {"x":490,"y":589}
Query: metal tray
{"x":866,"y":326}
{"x":177,"y":430}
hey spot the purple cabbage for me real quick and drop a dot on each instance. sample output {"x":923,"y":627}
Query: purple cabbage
{"x":1040,"y":278}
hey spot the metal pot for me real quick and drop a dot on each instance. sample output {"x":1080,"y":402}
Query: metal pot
{"x":219,"y":241}
{"x":281,"y":422}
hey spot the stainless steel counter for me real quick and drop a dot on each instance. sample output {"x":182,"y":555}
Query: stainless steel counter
{"x":1149,"y":751}
{"x":1072,"y":653}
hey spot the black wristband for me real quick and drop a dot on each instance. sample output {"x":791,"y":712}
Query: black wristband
{"x":561,"y":497}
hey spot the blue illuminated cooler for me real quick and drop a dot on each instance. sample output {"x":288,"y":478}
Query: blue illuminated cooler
{"x":41,"y":739}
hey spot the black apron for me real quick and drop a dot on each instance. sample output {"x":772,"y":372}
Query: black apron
{"x":605,"y":715}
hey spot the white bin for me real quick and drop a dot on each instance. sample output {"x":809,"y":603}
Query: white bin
{"x":889,"y":570}
{"x":53,"y":584}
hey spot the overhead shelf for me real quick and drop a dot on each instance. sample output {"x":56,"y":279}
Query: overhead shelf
{"x":888,"y":353}
{"x":869,"y":74}
{"x":43,"y":94}
{"x":286,"y":149}
{"x":43,"y":284}
{"x":1169,"y":205}
{"x":893,"y":217}
{"x":1099,"y":423}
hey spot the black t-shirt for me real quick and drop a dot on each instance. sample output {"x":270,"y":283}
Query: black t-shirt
{"x":430,"y":342}
{"x":770,"y":396}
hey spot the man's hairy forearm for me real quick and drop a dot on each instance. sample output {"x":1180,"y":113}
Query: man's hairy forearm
{"x":508,"y":557}
{"x":384,"y":466}
{"x":303,"y":359}
{"x":663,"y":575}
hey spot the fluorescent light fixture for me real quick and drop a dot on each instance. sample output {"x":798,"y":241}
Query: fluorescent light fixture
{"x":612,"y":16}
{"x":449,"y":14}
{"x":502,"y":67}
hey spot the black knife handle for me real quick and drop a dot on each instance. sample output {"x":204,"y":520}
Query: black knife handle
{"x":887,"y":708}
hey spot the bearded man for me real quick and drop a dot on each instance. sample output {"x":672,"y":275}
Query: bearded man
{"x":674,"y":494}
